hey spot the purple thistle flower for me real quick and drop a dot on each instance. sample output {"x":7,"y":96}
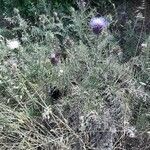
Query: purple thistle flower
{"x":55,"y":58}
{"x":97,"y":24}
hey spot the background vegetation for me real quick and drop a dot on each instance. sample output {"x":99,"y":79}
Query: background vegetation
{"x":98,"y":94}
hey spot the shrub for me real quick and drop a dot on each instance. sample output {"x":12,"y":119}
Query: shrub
{"x":63,"y":87}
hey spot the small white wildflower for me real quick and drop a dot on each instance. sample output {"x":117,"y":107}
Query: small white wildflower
{"x":131,"y":134}
{"x":130,"y":131}
{"x":126,"y":123}
{"x":82,"y":123}
{"x":55,"y":14}
{"x":120,"y":55}
{"x":60,"y":73}
{"x":14,"y":67}
{"x":13,"y":44}
{"x":113,"y":130}
{"x":81,"y":118}
{"x":144,"y":45}
{"x":46,"y":113}
{"x":148,"y":132}
{"x":16,"y":11}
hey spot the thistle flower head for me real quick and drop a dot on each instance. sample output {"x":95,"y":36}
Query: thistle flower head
{"x":55,"y":58}
{"x":97,"y":24}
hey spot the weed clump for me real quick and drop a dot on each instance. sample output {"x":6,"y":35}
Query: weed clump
{"x":62,"y":87}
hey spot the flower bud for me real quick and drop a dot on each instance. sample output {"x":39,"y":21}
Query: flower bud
{"x":55,"y":58}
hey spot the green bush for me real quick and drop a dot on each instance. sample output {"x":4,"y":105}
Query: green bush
{"x":88,"y":100}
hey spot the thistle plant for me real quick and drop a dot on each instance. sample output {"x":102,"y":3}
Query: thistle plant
{"x":62,"y":86}
{"x":97,"y":25}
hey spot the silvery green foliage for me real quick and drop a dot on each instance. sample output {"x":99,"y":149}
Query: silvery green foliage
{"x":60,"y":120}
{"x":98,"y":131}
{"x":113,"y":103}
{"x":115,"y":108}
